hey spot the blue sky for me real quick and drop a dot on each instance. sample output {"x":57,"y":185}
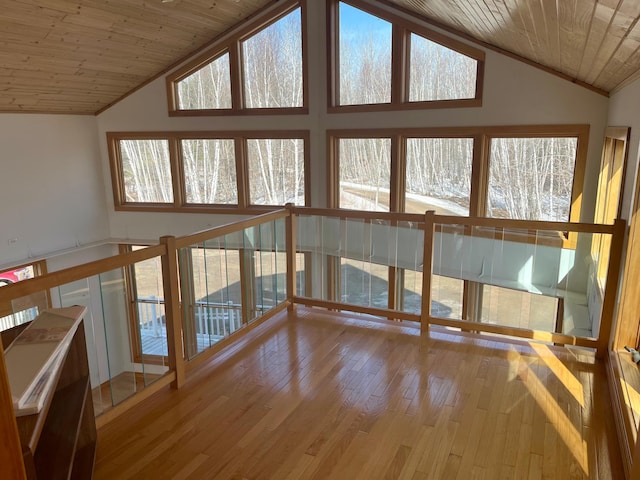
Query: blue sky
{"x":356,"y":24}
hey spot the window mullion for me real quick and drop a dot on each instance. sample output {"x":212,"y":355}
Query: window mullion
{"x":237,"y":76}
{"x":242,"y":174}
{"x":479,"y":176}
{"x":177,"y":172}
{"x":399,"y":65}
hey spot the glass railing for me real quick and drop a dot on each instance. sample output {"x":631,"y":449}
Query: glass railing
{"x":125,"y":333}
{"x":365,"y":264}
{"x":230,"y":280}
{"x":511,"y":277}
{"x":533,"y":276}
{"x":535,"y":280}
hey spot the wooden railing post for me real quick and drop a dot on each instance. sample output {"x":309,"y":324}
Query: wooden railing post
{"x":11,"y":462}
{"x":427,"y":264}
{"x":291,"y":229}
{"x":611,"y":287}
{"x":172,"y":309}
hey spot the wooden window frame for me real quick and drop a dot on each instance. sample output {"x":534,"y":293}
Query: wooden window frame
{"x":243,"y":207}
{"x":400,"y":62}
{"x":608,"y":204}
{"x":232,"y":44}
{"x":480,"y":163}
{"x":131,"y":295}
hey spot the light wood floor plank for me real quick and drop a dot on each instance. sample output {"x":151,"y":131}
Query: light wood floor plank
{"x":319,"y":395}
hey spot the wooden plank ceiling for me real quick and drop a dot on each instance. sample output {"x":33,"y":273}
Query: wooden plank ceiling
{"x":77,"y":56}
{"x":66,"y":56}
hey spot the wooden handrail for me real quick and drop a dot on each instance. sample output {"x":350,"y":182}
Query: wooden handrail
{"x":359,"y":214}
{"x":72,"y":274}
{"x":523,"y":333}
{"x":215,"y":232}
{"x":523,"y":224}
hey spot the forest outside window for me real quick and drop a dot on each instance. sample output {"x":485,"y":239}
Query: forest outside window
{"x":438,"y":175}
{"x":258,"y":69}
{"x":276,"y":171}
{"x":517,"y":172}
{"x":146,"y":171}
{"x":380,"y":61}
{"x":209,"y":172}
{"x":365,"y":173}
{"x":531,"y":178}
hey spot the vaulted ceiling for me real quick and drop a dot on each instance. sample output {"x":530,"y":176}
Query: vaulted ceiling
{"x":66,"y":56}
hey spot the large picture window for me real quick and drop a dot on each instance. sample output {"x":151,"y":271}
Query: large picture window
{"x":380,"y":61}
{"x":365,"y":57}
{"x":531,"y":178}
{"x":146,"y":171}
{"x":258,"y":69}
{"x":276,"y":171}
{"x":438,"y":175}
{"x":365,"y":173}
{"x":209,"y":171}
{"x":518,"y":172}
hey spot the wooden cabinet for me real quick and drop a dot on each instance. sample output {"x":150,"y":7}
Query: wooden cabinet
{"x":59,"y":442}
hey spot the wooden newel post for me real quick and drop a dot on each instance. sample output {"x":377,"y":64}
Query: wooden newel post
{"x":611,"y":287}
{"x":427,"y":264}
{"x":11,"y":462}
{"x":291,"y":229}
{"x":172,"y":309}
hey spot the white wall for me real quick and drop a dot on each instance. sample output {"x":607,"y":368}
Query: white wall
{"x":51,"y":185}
{"x":514,"y":94}
{"x":623,"y":112}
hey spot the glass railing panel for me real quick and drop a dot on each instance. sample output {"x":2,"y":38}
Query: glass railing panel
{"x":126,"y":376}
{"x":449,"y":263}
{"x":149,"y":328}
{"x":364,"y":275}
{"x":86,"y":292}
{"x":408,"y":245}
{"x":253,"y":293}
{"x":319,"y":239}
{"x":525,"y":278}
{"x":148,"y":295}
{"x":211,"y":292}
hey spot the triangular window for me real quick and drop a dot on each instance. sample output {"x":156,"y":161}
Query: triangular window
{"x":260,"y":66}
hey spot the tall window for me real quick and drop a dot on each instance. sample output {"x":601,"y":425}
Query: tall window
{"x":610,"y":187}
{"x":365,"y":173}
{"x":379,"y":61}
{"x":276,"y":171}
{"x":438,"y":175}
{"x":365,"y":57}
{"x":531,"y":178}
{"x":261,"y":66}
{"x":273,"y":65}
{"x":209,"y":171}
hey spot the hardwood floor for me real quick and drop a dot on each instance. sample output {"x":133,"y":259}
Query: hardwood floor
{"x":328,"y":396}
